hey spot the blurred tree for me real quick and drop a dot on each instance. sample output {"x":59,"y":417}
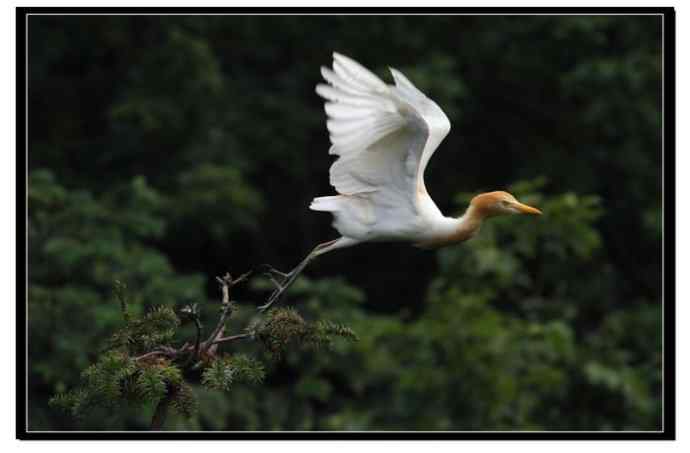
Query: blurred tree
{"x":79,"y":246}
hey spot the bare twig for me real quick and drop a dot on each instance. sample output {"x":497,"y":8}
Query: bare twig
{"x":163,"y":350}
{"x":195,"y":355}
{"x":240,"y":336}
{"x":216,"y":337}
{"x":149,"y":354}
{"x":197,"y":323}
{"x":226,"y":283}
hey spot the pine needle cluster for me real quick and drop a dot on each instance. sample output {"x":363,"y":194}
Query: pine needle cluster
{"x":285,"y":326}
{"x":226,"y":370}
{"x":156,"y":328}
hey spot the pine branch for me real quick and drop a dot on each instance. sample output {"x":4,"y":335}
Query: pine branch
{"x":141,"y":364}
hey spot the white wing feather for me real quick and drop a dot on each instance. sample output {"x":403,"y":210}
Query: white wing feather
{"x":384,"y":135}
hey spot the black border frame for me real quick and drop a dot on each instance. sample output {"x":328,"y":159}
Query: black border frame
{"x":669,"y":241}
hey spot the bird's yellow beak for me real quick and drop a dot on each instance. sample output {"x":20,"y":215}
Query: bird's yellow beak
{"x":524,"y":209}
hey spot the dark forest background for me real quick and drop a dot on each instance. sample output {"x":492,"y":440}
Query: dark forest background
{"x":167,"y":150}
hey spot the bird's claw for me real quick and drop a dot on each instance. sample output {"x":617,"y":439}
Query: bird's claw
{"x":271,"y":300}
{"x":264,"y":307}
{"x":280,"y":284}
{"x":281,"y":281}
{"x":275,"y":282}
{"x":269,"y":270}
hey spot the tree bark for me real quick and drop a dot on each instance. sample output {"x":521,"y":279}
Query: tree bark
{"x":161,"y":414}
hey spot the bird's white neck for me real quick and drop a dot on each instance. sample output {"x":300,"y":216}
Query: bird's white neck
{"x":453,"y":230}
{"x":468,"y":224}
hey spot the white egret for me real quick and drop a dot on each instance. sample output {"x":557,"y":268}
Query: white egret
{"x":384,"y":136}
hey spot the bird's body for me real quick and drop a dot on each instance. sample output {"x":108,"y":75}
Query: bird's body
{"x":384,"y":136}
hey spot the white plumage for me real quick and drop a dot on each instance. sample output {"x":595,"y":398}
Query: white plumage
{"x":384,"y":136}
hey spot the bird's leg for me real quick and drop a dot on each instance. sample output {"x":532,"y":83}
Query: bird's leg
{"x":284,"y":280}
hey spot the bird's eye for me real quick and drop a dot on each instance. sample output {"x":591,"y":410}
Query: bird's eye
{"x":505,"y":203}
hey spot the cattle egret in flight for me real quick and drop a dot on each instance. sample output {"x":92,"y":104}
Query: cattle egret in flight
{"x":384,"y":136}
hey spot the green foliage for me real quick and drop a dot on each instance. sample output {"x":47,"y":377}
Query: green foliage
{"x":323,"y":332}
{"x":185,"y":402}
{"x":223,"y":372}
{"x":207,"y":187}
{"x":80,"y":244}
{"x":566,"y":232}
{"x":284,"y":326}
{"x":155,"y":328}
{"x":163,"y":148}
{"x":102,"y":385}
{"x":118,"y":379}
{"x":153,"y":381}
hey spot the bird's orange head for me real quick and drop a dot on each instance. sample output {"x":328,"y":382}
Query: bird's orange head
{"x":499,"y":203}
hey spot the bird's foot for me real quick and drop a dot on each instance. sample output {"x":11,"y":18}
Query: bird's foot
{"x":275,"y":297}
{"x":280,"y":280}
{"x":271,"y":271}
{"x":271,"y":301}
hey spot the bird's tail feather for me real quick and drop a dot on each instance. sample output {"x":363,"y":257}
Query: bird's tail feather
{"x":327,"y":204}
{"x":352,"y":216}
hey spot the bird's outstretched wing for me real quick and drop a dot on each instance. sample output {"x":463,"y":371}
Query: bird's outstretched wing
{"x":384,"y":134}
